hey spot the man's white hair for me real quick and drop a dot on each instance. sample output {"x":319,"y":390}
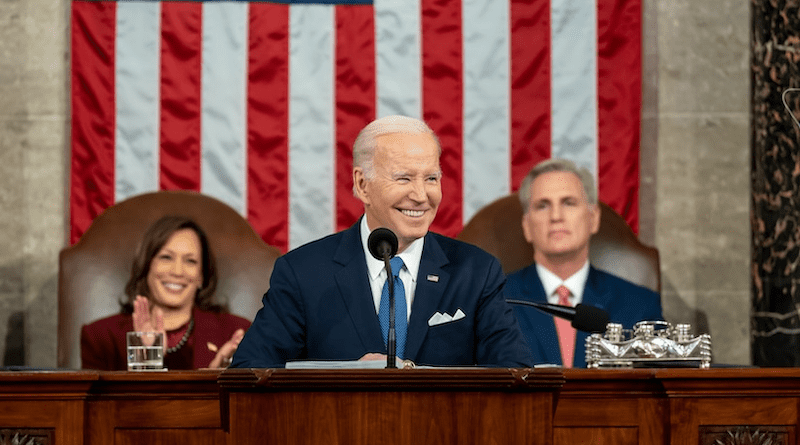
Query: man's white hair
{"x":365,"y":144}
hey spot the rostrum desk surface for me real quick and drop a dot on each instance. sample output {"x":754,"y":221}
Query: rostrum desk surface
{"x":448,"y":406}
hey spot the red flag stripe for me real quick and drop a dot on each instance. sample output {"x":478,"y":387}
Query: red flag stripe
{"x":92,"y":163}
{"x":355,"y":99}
{"x":619,"y":76}
{"x":181,"y":51}
{"x":442,"y":102}
{"x":268,"y":123}
{"x":530,"y":86}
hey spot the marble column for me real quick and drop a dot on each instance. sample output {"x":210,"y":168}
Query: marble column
{"x":775,"y":175}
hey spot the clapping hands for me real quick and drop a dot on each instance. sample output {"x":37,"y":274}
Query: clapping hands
{"x":225,"y":352}
{"x":146,"y":321}
{"x":143,"y":319}
{"x":153,"y":321}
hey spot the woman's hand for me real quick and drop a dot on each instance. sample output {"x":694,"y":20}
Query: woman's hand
{"x":225,"y":352}
{"x":146,"y":321}
{"x":143,"y":319}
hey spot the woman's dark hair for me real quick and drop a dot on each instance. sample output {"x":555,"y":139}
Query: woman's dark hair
{"x":154,"y":239}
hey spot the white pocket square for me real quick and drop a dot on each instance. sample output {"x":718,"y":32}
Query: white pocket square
{"x":440,"y":318}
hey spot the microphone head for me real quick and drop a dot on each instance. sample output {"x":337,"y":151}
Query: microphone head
{"x":381,"y":243}
{"x":590,"y":319}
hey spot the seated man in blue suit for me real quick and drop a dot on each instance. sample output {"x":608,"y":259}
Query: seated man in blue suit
{"x":325,"y":297}
{"x":560,"y":213}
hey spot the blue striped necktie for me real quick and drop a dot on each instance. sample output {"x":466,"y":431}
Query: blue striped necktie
{"x":401,"y":324}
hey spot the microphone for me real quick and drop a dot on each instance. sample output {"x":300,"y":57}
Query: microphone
{"x":382,"y":244}
{"x":584,"y":317}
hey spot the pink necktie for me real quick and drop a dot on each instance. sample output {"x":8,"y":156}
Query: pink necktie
{"x":566,"y":333}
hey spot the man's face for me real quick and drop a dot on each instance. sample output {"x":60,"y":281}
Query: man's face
{"x":559,"y":221}
{"x":406,"y":190}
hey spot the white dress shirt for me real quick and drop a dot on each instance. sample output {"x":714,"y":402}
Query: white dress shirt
{"x":575,"y":283}
{"x":377,"y":272}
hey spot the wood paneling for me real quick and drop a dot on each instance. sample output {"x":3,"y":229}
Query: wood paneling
{"x":169,"y":437}
{"x":596,"y":436}
{"x":419,"y":406}
{"x":400,"y":407}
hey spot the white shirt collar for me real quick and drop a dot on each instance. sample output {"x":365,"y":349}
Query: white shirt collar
{"x":411,"y":256}
{"x":575,"y":283}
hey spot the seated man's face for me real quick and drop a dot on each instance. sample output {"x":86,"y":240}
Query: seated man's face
{"x":559,"y":221}
{"x":406,"y":191}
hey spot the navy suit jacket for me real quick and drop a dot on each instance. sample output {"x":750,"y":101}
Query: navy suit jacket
{"x":320,"y":307}
{"x":625,"y":302}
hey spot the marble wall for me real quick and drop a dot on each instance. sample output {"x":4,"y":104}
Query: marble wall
{"x":695,"y":166}
{"x":33,"y":153}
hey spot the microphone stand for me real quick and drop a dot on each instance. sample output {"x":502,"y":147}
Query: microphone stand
{"x":391,"y":342}
{"x":552,"y":309}
{"x":585,"y":318}
{"x":382,"y":244}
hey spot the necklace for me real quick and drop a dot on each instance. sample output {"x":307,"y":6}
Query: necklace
{"x":183,"y":339}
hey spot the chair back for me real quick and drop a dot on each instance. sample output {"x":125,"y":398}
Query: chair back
{"x":497,"y":229}
{"x":92,"y":273}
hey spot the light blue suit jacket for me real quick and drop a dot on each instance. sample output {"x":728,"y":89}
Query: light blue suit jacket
{"x":320,"y":307}
{"x":625,"y":302}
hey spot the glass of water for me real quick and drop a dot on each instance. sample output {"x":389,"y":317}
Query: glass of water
{"x":145,"y":351}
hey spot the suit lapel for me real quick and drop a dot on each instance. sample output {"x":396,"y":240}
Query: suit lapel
{"x":594,"y":294}
{"x":355,"y":291}
{"x":544,"y":323}
{"x":428,"y":294}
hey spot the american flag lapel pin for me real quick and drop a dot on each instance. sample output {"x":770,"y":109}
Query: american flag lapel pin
{"x":433,"y":278}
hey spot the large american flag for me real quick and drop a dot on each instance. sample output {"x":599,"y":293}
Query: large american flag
{"x":258,"y":104}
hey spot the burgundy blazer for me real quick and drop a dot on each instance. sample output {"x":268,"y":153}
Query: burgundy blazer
{"x":103,"y":344}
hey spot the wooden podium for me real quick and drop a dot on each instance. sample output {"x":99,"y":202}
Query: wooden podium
{"x":416,"y":406}
{"x":404,"y":406}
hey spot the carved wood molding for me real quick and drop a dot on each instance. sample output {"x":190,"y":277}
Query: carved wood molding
{"x":744,"y":435}
{"x":26,"y":436}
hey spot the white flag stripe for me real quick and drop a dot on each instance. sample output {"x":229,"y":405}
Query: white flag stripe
{"x":136,"y":74}
{"x":574,"y":82}
{"x":311,"y":123}
{"x":487,"y":107}
{"x":223,"y":95}
{"x":398,"y":63}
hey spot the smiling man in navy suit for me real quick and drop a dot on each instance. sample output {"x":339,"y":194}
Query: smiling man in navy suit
{"x":560,"y":214}
{"x":324,"y":299}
